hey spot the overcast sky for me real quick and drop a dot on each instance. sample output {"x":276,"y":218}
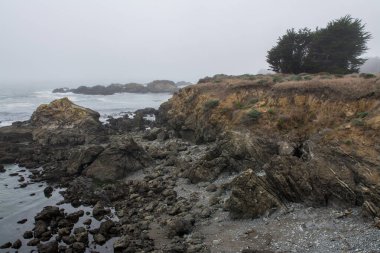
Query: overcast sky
{"x":74,"y":42}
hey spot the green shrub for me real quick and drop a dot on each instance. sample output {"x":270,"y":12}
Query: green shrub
{"x":211,"y":104}
{"x":238,"y":105}
{"x":262,"y":81}
{"x":254,"y":114}
{"x":367,"y":75}
{"x":295,"y":78}
{"x":277,"y":79}
{"x":358,"y":122}
{"x":362,"y":114}
{"x":271,"y":111}
{"x":307,"y":78}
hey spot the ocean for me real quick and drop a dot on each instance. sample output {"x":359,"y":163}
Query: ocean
{"x":19,"y":106}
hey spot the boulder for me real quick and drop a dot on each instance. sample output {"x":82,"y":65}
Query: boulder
{"x":81,"y":159}
{"x":17,"y":244}
{"x":118,"y":160}
{"x":50,"y":247}
{"x":48,"y":213}
{"x":251,"y":196}
{"x":62,"y":113}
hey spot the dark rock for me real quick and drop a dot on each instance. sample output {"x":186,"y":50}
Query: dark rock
{"x":64,"y":231}
{"x":39,"y":228}
{"x":250,"y":197}
{"x":79,"y":230}
{"x":13,"y":174}
{"x":99,"y":210}
{"x":23,"y":185}
{"x":118,"y":159}
{"x":47,"y":191}
{"x":74,"y":217}
{"x":2,"y":169}
{"x":68,"y":239}
{"x":87,"y":222}
{"x":22,"y":221}
{"x":47,"y":213}
{"x":81,"y":237}
{"x":50,"y":247}
{"x":33,"y":242}
{"x":99,"y":239}
{"x":79,"y":246}
{"x":180,"y":226}
{"x":27,"y":235}
{"x":105,"y":227}
{"x":122,"y":242}
{"x":17,"y":244}
{"x":151,"y":134}
{"x":82,"y":159}
{"x":6,"y":245}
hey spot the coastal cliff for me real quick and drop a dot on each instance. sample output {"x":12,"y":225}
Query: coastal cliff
{"x":276,"y":148}
{"x":314,"y":141}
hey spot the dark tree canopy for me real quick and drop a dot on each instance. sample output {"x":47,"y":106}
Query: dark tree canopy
{"x":334,"y":49}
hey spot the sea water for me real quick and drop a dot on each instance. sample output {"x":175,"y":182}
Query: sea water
{"x":19,"y":106}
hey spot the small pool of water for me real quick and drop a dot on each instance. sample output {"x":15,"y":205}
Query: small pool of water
{"x":18,"y":203}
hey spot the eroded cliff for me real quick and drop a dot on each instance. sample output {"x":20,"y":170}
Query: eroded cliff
{"x":312,"y":139}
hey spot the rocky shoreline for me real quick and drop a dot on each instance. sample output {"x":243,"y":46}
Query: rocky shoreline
{"x":157,"y":86}
{"x":219,"y":154}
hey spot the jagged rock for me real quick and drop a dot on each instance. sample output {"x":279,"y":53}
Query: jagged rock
{"x":74,"y":217}
{"x":33,"y":242}
{"x":47,"y":213}
{"x":50,"y":247}
{"x":152,"y":134}
{"x":48,"y":190}
{"x":122,"y":242}
{"x":99,"y":210}
{"x":105,"y":227}
{"x":99,"y":239}
{"x":40,"y":228}
{"x":62,"y":113}
{"x":117,"y":160}
{"x":79,"y":246}
{"x":6,"y":245}
{"x":17,"y":244}
{"x":251,"y":196}
{"x":81,"y":159}
{"x":28,"y":235}
{"x":180,"y":226}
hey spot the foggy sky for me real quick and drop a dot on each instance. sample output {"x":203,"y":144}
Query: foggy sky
{"x":75,"y":42}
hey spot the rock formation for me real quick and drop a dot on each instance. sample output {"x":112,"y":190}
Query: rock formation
{"x":157,"y":86}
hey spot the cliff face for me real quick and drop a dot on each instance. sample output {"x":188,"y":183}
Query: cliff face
{"x":314,"y":140}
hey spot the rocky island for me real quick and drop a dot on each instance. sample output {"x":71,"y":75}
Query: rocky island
{"x":265,"y":163}
{"x":157,"y":86}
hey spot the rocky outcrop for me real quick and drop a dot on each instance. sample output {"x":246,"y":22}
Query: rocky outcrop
{"x":310,"y":141}
{"x":158,"y":86}
{"x":251,"y":196}
{"x":117,"y":160}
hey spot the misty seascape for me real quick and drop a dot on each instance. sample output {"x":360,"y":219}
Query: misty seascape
{"x":166,"y":126}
